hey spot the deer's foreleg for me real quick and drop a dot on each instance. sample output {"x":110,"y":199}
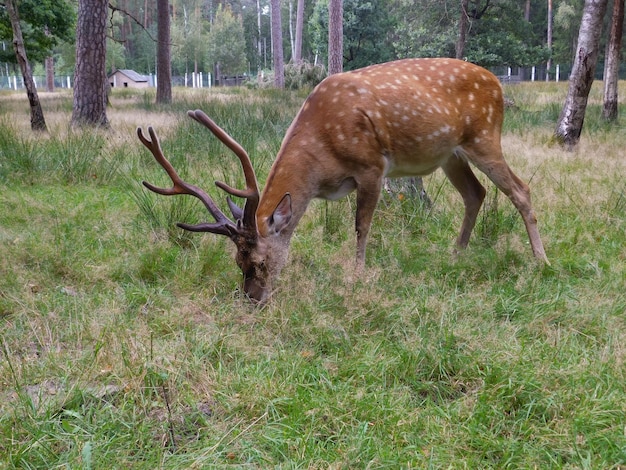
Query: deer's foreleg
{"x":368,"y":193}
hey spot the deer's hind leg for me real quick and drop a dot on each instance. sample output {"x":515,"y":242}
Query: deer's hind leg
{"x":473,"y":193}
{"x":518,"y":192}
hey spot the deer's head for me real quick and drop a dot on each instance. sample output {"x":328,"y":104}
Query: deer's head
{"x":260,"y":257}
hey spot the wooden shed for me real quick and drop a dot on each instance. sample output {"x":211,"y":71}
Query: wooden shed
{"x":124,"y":78}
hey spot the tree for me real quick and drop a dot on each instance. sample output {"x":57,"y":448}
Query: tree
{"x":335,"y":36}
{"x":37,"y":120}
{"x":226,"y":46}
{"x":611,"y":62}
{"x":297,"y":56}
{"x":464,"y":22}
{"x":45,"y":24}
{"x":90,"y":80}
{"x":570,"y":123}
{"x":277,"y":45}
{"x":189,"y":40}
{"x":164,"y":64}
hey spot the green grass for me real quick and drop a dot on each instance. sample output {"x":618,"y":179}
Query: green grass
{"x":128,"y":344}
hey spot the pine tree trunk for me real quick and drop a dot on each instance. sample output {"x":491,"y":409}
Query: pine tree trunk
{"x":37,"y":120}
{"x":463,"y":27}
{"x":570,"y":123}
{"x":335,"y":36}
{"x":90,"y":80}
{"x":277,"y":44}
{"x":49,"y":74}
{"x":611,"y":64}
{"x":164,"y":62}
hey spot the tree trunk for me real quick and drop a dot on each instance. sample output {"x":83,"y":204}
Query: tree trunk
{"x":37,"y":120}
{"x":49,"y":74}
{"x":335,"y":36}
{"x":570,"y":123}
{"x":164,"y":62}
{"x":299,"y":27}
{"x":463,"y":27}
{"x":277,"y":45}
{"x":549,"y":41}
{"x":90,"y":80}
{"x":611,"y":64}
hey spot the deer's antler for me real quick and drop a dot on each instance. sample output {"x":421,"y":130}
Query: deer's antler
{"x":251,"y":193}
{"x":222,"y":226}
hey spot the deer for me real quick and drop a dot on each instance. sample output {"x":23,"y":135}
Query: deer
{"x":407,"y":117}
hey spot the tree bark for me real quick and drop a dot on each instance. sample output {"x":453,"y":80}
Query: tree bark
{"x":299,"y":27}
{"x":611,"y":63}
{"x":49,"y":74}
{"x":335,"y":36}
{"x":164,"y":60}
{"x":463,"y":27}
{"x":277,"y":45}
{"x":570,"y":123}
{"x":90,"y":80}
{"x":37,"y":120}
{"x":549,"y":41}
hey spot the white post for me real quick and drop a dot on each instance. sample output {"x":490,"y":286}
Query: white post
{"x":209,"y":79}
{"x":508,"y":72}
{"x":14,"y":82}
{"x":558,"y":71}
{"x":69,"y":84}
{"x":201,"y":81}
{"x":185,"y":78}
{"x":532,"y":73}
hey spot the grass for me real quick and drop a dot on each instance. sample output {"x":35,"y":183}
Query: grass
{"x":127,"y":344}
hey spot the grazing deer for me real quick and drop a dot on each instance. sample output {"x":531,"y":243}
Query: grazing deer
{"x":402,"y":118}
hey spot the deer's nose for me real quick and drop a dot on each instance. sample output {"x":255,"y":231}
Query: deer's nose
{"x":256,"y":291}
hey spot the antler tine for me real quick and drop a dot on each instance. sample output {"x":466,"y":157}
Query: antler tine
{"x":251,"y":193}
{"x":223,"y":225}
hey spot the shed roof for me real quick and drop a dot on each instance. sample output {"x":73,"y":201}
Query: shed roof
{"x":134,"y":76}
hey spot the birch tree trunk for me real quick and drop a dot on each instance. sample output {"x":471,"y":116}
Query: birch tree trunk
{"x":299,"y":27}
{"x":570,"y":123}
{"x":37,"y":120}
{"x":90,"y":80}
{"x":611,"y":63}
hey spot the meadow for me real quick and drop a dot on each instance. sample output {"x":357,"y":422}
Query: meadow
{"x":127,"y":343}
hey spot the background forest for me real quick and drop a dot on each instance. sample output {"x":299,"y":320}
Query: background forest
{"x":236,"y":34}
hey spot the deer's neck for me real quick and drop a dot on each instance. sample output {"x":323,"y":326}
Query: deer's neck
{"x":291,"y":174}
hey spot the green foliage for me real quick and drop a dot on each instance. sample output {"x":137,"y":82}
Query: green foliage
{"x":44,"y":23}
{"x":366,"y":29}
{"x":191,"y":41}
{"x":226,"y":45}
{"x":303,"y":75}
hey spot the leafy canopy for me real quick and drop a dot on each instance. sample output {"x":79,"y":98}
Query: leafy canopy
{"x":44,"y":24}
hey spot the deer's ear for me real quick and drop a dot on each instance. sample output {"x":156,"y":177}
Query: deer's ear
{"x":281,"y":215}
